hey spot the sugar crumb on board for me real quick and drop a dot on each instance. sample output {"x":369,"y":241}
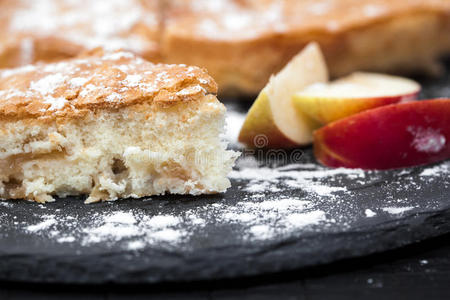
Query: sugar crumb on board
{"x":268,"y":203}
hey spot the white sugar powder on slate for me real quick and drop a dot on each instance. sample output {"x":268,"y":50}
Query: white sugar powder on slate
{"x":48,"y":221}
{"x":163,"y":221}
{"x":274,"y":179}
{"x":369,"y":213}
{"x":436,"y":170}
{"x":305,"y":219}
{"x":66,"y":239}
{"x":397,"y":210}
{"x":121,"y":217}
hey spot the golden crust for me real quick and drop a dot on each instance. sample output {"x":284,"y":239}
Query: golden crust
{"x":42,"y":30}
{"x":69,"y":88}
{"x":242,"y":43}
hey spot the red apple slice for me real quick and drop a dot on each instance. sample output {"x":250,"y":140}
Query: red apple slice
{"x":392,"y":136}
{"x":328,"y":102}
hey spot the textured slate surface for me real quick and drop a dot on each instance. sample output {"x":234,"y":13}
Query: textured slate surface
{"x":218,"y":250}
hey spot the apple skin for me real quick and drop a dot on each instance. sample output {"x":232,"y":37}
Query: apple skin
{"x":327,"y":110}
{"x":388,"y":137}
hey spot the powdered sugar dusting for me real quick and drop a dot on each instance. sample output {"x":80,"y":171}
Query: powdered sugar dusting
{"x":46,"y":223}
{"x":369,"y":213}
{"x":57,"y":87}
{"x":274,"y":178}
{"x":56,"y":103}
{"x":397,"y":210}
{"x":231,"y":20}
{"x":104,"y":24}
{"x":48,"y":84}
{"x":427,"y":140}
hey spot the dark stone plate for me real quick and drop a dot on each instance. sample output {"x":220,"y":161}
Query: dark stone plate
{"x":326,"y":216}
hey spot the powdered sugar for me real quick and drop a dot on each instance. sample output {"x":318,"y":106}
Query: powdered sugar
{"x":56,"y":87}
{"x":47,"y":84}
{"x":369,"y":213}
{"x":78,"y":81}
{"x":121,"y":218}
{"x":103,"y":24}
{"x":397,"y":210}
{"x":46,"y":223}
{"x":427,"y":140}
{"x":55,"y":103}
{"x":133,"y":80}
{"x":437,"y":170}
{"x":275,"y":179}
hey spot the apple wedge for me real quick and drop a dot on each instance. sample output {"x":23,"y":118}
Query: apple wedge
{"x":328,"y":102}
{"x":392,"y":136}
{"x":272,"y":117}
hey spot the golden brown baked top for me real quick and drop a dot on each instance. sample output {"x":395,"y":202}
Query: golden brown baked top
{"x":78,"y":25}
{"x":234,"y":20}
{"x":103,"y":81}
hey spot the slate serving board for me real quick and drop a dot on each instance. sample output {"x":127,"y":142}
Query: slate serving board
{"x":362,"y":213}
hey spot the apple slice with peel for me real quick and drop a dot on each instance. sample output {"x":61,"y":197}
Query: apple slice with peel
{"x":272,"y":118}
{"x":328,"y":102}
{"x":392,"y":136}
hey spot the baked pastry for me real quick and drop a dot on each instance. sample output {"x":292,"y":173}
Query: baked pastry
{"x":243,"y":42}
{"x":110,"y":126}
{"x":51,"y":30}
{"x":240,"y":42}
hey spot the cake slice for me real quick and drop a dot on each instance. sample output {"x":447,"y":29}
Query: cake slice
{"x":242,"y":42}
{"x":110,"y":126}
{"x":51,"y":30}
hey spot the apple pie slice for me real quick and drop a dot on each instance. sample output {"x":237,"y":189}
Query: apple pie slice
{"x":52,"y":30}
{"x":242,"y":42}
{"x":110,"y":126}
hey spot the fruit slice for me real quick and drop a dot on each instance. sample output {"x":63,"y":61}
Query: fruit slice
{"x":272,"y":116}
{"x":392,"y":136}
{"x":328,"y":102}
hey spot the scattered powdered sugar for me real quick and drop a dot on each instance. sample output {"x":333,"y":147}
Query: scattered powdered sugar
{"x":427,"y":140}
{"x":121,"y":217}
{"x":133,"y":80}
{"x":56,"y":103}
{"x":163,"y":221}
{"x":48,"y":84}
{"x":103,"y":24}
{"x":397,"y":210}
{"x":78,"y":81}
{"x":275,"y":179}
{"x":304,"y":219}
{"x":46,"y":223}
{"x":369,"y":213}
{"x":436,"y":170}
{"x":230,"y":20}
{"x":66,"y":239}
